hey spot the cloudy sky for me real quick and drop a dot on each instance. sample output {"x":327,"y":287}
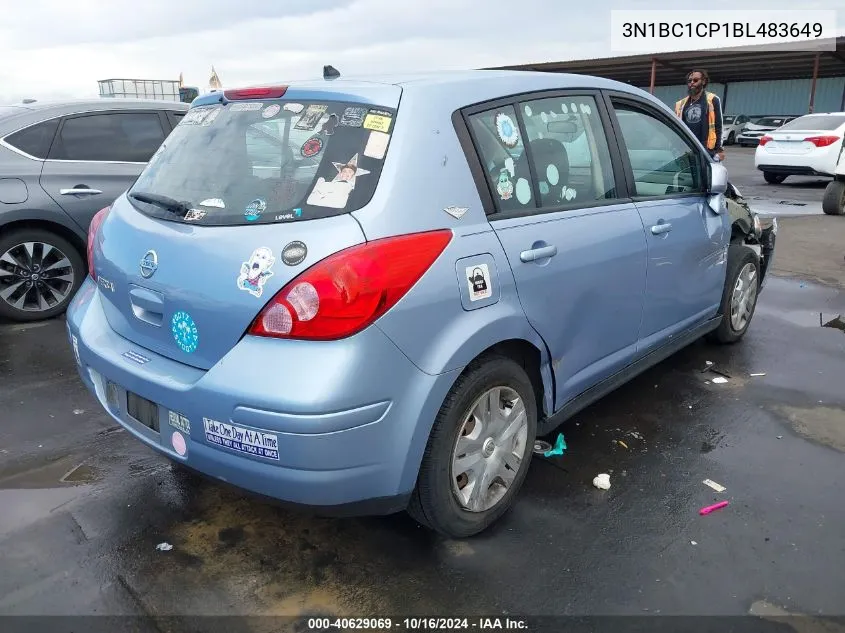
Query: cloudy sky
{"x":60,"y":48}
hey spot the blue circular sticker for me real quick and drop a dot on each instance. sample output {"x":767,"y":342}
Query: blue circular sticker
{"x":185,"y":331}
{"x":254,"y":209}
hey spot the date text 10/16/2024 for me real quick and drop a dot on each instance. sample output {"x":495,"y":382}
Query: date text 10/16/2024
{"x":417,"y":624}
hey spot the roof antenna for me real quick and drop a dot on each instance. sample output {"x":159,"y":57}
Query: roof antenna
{"x":330,"y":72}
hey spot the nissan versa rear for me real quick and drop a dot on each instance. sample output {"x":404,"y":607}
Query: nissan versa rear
{"x":303,"y":295}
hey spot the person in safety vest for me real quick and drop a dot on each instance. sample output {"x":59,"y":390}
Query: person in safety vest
{"x":701,"y":111}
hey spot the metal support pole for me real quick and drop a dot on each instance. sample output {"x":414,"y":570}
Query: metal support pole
{"x":813,"y":85}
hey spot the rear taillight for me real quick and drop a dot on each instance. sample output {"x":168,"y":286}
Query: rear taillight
{"x":272,"y":92}
{"x":93,"y":228}
{"x":822,"y":141}
{"x":765,"y":139}
{"x":347,"y":291}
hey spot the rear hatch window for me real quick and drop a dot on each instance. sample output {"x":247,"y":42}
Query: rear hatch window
{"x":267,"y":161}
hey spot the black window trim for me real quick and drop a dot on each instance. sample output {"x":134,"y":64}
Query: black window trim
{"x":460,"y":121}
{"x":672,"y":121}
{"x":87,"y":113}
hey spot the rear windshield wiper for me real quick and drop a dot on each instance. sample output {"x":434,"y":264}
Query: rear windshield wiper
{"x":165,"y":202}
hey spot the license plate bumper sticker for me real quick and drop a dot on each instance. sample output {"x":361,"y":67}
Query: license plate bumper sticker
{"x":242,"y":440}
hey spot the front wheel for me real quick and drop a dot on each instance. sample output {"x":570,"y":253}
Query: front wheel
{"x":479,"y":450}
{"x":739,"y":299}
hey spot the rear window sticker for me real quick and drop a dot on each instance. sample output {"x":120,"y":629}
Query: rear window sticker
{"x":569,"y":193}
{"x":510,"y":166}
{"x":195,"y":116}
{"x":260,"y":444}
{"x":296,"y":108}
{"x":246,"y":106}
{"x":208,"y":120}
{"x":254,"y":209}
{"x":508,"y":132}
{"x":213,"y":202}
{"x":377,"y":121}
{"x":353,"y":117}
{"x":544,"y":117}
{"x":586,"y":109}
{"x":504,"y":186}
{"x":179,"y":421}
{"x":185,"y":332}
{"x":256,"y":271}
{"x":377,"y":145}
{"x":271,"y":110}
{"x":349,"y":171}
{"x":333,"y":194}
{"x":544,"y":187}
{"x":294,"y":253}
{"x":329,"y":125}
{"x":312,"y":147}
{"x":523,"y":191}
{"x":311,"y":117}
{"x":528,"y":111}
{"x":284,"y":216}
{"x":478,"y":280}
{"x":195,"y":214}
{"x":552,"y":174}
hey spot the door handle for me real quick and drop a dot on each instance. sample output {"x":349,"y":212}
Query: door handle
{"x":73,"y":192}
{"x":538,"y":253}
{"x":658,"y":229}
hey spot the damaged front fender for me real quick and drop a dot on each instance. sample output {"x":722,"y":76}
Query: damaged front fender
{"x":748,"y":228}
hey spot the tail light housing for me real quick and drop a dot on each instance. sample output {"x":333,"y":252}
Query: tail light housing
{"x":346,"y":292}
{"x":93,"y":229}
{"x":822,"y":141}
{"x":765,"y":139}
{"x":268,"y":92}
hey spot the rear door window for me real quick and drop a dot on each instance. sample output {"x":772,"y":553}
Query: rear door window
{"x":267,"y":161}
{"x":119,"y":137}
{"x":36,"y":139}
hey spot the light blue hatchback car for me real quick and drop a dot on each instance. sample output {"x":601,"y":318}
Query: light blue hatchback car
{"x":369,"y":296}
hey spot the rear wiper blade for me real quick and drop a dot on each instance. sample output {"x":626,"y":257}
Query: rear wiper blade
{"x":165,"y":202}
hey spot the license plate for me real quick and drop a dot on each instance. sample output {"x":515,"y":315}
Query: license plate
{"x":142,"y":410}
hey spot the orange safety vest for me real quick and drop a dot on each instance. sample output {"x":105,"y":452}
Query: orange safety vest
{"x":711,"y":117}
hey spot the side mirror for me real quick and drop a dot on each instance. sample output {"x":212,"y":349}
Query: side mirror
{"x":718,"y":179}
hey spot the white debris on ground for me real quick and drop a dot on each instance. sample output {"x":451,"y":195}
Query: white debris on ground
{"x":602,"y":481}
{"x":719,"y":380}
{"x":164,"y":547}
{"x":714,"y":485}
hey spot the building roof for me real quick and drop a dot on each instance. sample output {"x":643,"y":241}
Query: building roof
{"x":741,"y":63}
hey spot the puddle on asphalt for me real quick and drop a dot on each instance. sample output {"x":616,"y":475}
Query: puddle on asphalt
{"x":825,"y":425}
{"x":62,"y":472}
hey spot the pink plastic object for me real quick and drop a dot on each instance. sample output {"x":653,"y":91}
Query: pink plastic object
{"x":714,"y":507}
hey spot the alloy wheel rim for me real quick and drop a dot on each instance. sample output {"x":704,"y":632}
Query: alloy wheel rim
{"x":743,"y":297}
{"x":35,"y":276}
{"x":490,"y":449}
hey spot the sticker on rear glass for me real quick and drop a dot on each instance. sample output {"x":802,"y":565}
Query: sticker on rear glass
{"x":260,"y":444}
{"x":507,"y":130}
{"x":195,"y":214}
{"x":312,"y":147}
{"x":378,"y":121}
{"x":209,"y":119}
{"x":478,"y":280}
{"x":179,"y":421}
{"x":185,"y":332}
{"x":376,"y":145}
{"x":335,"y":194}
{"x":329,"y":125}
{"x":246,"y":106}
{"x":311,"y":117}
{"x":256,"y":271}
{"x":195,"y":116}
{"x":271,"y":110}
{"x":504,"y":187}
{"x":213,"y":202}
{"x":254,"y":209}
{"x":296,"y":108}
{"x":353,"y":117}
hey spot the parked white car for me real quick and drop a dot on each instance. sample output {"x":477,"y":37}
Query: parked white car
{"x":732,"y":126}
{"x":806,"y":146}
{"x":757,"y":128}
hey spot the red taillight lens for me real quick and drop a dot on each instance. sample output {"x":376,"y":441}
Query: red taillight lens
{"x":346,"y":292}
{"x":93,"y":228}
{"x":273,"y":92}
{"x":765,"y":139}
{"x":822,"y":141}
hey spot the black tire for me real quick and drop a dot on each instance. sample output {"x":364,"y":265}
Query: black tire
{"x":739,"y":256}
{"x":833,"y":202}
{"x":773,"y":179}
{"x":433,"y":503}
{"x":77,"y":265}
{"x":731,"y":138}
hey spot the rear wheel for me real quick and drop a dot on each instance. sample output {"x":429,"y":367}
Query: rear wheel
{"x":479,"y":450}
{"x":773,"y":179}
{"x":739,"y":299}
{"x":731,"y":138}
{"x":833,"y":202}
{"x":39,"y":274}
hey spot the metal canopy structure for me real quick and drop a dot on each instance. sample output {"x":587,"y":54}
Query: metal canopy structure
{"x":741,"y":63}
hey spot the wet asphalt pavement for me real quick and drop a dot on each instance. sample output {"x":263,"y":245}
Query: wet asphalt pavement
{"x":83,"y":505}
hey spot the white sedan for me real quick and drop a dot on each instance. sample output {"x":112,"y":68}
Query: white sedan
{"x":806,"y":146}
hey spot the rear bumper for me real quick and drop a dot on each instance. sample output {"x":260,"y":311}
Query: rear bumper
{"x":795,"y":170}
{"x":338,"y":426}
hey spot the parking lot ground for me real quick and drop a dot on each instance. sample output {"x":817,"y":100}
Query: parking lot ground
{"x":84,"y":506}
{"x":812,"y":248}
